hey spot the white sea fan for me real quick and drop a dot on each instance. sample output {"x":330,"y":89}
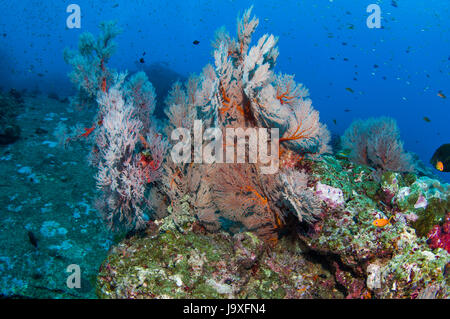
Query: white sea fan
{"x":297,"y":196}
{"x":245,"y":29}
{"x":257,"y":64}
{"x":120,"y":176}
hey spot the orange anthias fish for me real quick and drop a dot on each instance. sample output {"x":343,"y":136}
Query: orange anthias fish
{"x":104,"y":85}
{"x":381,"y":222}
{"x":440,"y":166}
{"x":441,"y":95}
{"x":88,"y":131}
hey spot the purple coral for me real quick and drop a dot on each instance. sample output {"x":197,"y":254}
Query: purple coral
{"x":439,"y":236}
{"x":376,"y":142}
{"x":331,"y":195}
{"x":123,"y":173}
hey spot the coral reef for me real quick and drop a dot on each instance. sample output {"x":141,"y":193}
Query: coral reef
{"x":243,"y":92}
{"x":361,"y":260}
{"x":300,"y":223}
{"x":193,"y":264}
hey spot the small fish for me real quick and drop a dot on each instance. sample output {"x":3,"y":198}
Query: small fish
{"x":347,"y":110}
{"x":334,"y":121}
{"x":441,"y":158}
{"x":195,"y":42}
{"x":441,"y":95}
{"x":350,"y":90}
{"x":104,"y":85}
{"x":32,"y":238}
{"x":343,"y":154}
{"x":142,"y":60}
{"x":88,"y":131}
{"x":394,"y":4}
{"x":381,"y":222}
{"x":426,"y":119}
{"x":375,"y":66}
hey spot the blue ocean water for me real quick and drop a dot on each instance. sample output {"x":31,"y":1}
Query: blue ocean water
{"x":401,"y":70}
{"x":397,"y":70}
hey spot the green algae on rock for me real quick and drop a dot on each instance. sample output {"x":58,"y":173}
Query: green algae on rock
{"x":190,"y":265}
{"x":403,"y":263}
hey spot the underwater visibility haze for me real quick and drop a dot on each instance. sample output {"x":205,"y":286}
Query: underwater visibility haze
{"x":225,"y":149}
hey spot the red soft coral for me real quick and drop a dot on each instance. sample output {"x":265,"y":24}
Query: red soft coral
{"x":439,"y":236}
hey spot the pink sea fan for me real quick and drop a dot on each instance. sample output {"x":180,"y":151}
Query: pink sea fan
{"x":376,"y":142}
{"x":120,"y":177}
{"x":143,"y":97}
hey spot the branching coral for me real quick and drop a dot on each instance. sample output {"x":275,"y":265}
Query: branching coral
{"x":245,"y":200}
{"x":241,"y":91}
{"x":376,"y":142}
{"x":120,"y":176}
{"x":90,"y":73}
{"x":124,"y":173}
{"x":297,"y":197}
{"x":141,"y":92}
{"x":126,"y":149}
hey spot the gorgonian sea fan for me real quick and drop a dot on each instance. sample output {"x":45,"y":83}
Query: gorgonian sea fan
{"x":376,"y":142}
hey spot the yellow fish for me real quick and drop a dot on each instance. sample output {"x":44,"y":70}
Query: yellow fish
{"x":381,"y":222}
{"x":440,"y":166}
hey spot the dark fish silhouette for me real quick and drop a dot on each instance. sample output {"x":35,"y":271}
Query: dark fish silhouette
{"x":441,"y":158}
{"x":426,"y":119}
{"x":32,"y":238}
{"x":195,"y":42}
{"x":142,"y":60}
